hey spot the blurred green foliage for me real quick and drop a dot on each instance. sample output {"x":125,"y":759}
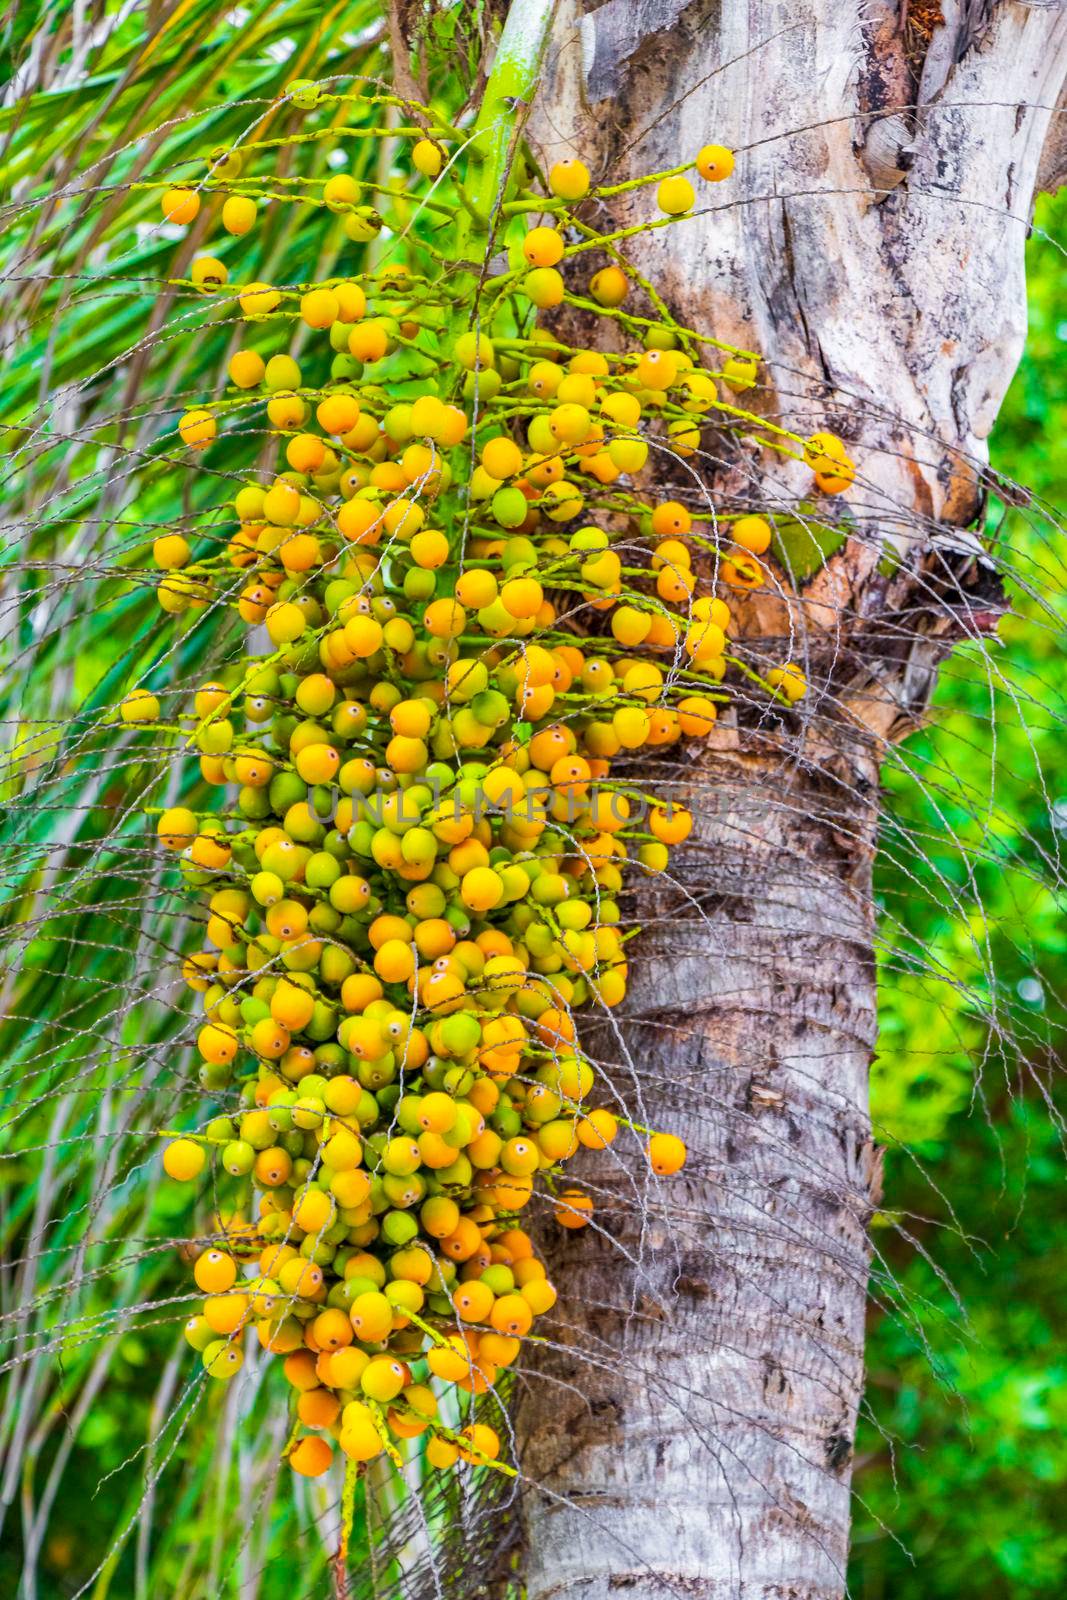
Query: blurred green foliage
{"x":962,"y":1460}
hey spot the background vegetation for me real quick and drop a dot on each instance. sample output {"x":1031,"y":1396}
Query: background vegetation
{"x":963,"y":1455}
{"x":963,"y":1452}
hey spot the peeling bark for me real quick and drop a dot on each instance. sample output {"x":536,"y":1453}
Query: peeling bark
{"x":691,"y":1432}
{"x":903,"y":320}
{"x":1052,"y":168}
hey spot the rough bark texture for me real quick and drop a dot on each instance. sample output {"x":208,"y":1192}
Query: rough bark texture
{"x":697,"y":1417}
{"x":693,"y":1432}
{"x":869,"y":246}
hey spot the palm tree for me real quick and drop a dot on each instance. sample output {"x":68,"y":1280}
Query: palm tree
{"x":689,"y":1427}
{"x":876,"y":261}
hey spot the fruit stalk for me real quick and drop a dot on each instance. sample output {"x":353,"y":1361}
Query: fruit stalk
{"x":508,"y":94}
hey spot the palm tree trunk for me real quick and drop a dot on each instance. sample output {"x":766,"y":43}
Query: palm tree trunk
{"x":690,"y":1431}
{"x":693,"y":1423}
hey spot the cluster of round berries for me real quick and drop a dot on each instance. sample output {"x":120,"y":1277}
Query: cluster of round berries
{"x":473,"y":614}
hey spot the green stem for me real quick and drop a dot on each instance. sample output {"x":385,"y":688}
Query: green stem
{"x":507,"y":96}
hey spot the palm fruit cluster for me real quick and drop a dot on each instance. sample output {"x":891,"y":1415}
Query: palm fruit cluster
{"x":472,"y":621}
